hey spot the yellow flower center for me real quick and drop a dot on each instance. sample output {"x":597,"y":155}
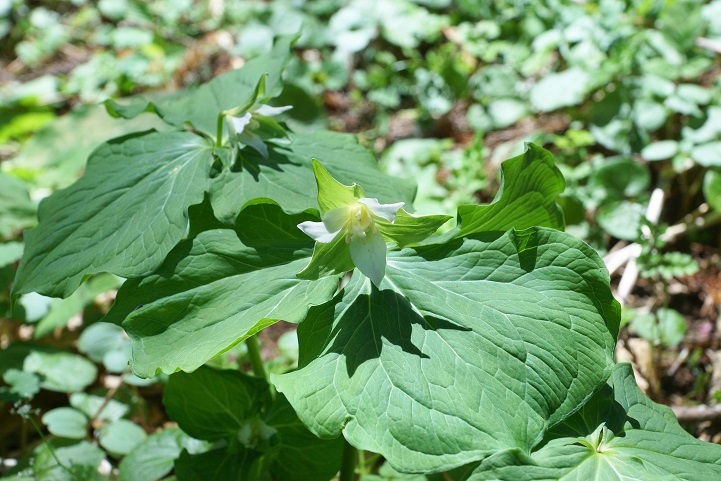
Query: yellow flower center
{"x":360,"y":222}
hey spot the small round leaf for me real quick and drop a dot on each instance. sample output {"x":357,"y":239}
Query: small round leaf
{"x":66,"y":423}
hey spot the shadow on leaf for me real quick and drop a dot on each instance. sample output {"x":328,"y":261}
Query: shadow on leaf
{"x":357,"y":330}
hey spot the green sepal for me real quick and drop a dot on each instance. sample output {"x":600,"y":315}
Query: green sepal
{"x":328,"y":259}
{"x":331,"y":193}
{"x":250,"y":102}
{"x":408,"y":229}
{"x":269,"y":128}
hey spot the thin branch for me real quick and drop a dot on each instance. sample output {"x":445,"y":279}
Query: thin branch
{"x":708,"y":44}
{"x":106,"y":400}
{"x":697,"y":414}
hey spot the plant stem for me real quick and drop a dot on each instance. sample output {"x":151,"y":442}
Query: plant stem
{"x":106,"y":400}
{"x":219,"y":130}
{"x":347,"y":469}
{"x":362,"y":466}
{"x":51,"y":449}
{"x":255,"y":359}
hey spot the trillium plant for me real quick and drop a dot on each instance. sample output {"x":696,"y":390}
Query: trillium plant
{"x":483,"y":353}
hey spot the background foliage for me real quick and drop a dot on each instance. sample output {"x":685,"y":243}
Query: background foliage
{"x":625,"y":93}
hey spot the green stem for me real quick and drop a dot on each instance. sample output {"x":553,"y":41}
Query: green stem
{"x":219,"y":130}
{"x":255,"y":359}
{"x":51,"y":449}
{"x":347,"y":469}
{"x":369,"y":462}
{"x":362,"y":466}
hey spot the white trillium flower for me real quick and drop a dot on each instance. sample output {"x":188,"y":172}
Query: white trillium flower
{"x":357,"y":222}
{"x":243,"y":128}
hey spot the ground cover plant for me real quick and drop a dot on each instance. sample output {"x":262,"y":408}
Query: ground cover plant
{"x":447,"y":325}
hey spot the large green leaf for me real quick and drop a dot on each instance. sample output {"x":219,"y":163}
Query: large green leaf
{"x":471,"y":347}
{"x":236,"y":464}
{"x":217,"y":289}
{"x":527,"y":197}
{"x":215,"y":404}
{"x":300,"y":455}
{"x":200,"y":107}
{"x":124,"y":215}
{"x":286,"y":176}
{"x":619,"y":435}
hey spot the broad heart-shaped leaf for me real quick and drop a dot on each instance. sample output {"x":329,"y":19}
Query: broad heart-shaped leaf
{"x":215,"y":404}
{"x":530,"y":184}
{"x":619,"y":435}
{"x":217,"y":289}
{"x":123,"y":216}
{"x":470,"y":347}
{"x":286,"y":176}
{"x":300,"y":455}
{"x":200,"y":107}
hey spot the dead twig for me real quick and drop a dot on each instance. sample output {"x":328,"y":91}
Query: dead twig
{"x":708,"y":44}
{"x":697,"y":414}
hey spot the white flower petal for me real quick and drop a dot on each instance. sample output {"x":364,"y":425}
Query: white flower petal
{"x":317,"y":231}
{"x":252,"y":140}
{"x":386,"y":211}
{"x":269,"y":111}
{"x":369,"y":256}
{"x":336,"y":219}
{"x":239,"y":123}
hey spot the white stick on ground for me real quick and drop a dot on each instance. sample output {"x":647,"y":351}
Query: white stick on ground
{"x":630,"y":274}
